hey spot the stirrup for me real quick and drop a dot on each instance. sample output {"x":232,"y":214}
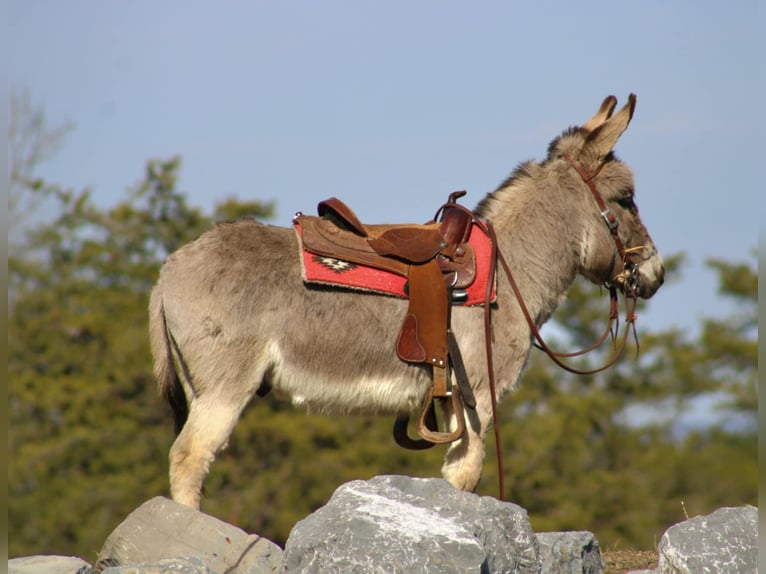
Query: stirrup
{"x":427,"y":425}
{"x":402,"y":438}
{"x":434,"y":435}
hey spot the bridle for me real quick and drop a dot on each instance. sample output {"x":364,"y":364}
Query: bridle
{"x":630,"y":269}
{"x":626,"y":280}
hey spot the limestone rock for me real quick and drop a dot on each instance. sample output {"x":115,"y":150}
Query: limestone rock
{"x":723,"y":541}
{"x":48,"y":565}
{"x":161,"y":529}
{"x":166,"y":566}
{"x":570,"y":553}
{"x":398,"y":524}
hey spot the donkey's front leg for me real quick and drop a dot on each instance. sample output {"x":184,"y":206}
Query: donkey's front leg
{"x":465,"y":457}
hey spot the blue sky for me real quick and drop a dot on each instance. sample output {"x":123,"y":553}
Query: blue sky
{"x":400,"y":103}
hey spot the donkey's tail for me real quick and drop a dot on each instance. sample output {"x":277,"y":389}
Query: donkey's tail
{"x":164,"y":367}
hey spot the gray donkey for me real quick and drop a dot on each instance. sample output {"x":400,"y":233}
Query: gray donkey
{"x":230,"y":314}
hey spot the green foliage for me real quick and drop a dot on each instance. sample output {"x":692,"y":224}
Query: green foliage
{"x":88,"y":435}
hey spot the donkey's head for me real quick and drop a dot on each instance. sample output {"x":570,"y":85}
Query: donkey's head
{"x":616,"y":247}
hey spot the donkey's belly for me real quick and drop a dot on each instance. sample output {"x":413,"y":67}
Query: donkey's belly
{"x":343,"y":393}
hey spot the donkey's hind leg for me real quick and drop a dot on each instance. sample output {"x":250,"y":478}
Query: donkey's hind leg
{"x":205,"y":433}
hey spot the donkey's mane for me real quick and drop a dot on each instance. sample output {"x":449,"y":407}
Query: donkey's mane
{"x":554,"y":147}
{"x":520,"y":172}
{"x":571,"y":138}
{"x":523,"y":171}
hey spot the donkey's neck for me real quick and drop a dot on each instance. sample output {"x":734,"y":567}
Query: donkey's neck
{"x":537,"y":235}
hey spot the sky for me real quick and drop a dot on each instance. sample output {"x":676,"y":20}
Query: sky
{"x":393,"y":105}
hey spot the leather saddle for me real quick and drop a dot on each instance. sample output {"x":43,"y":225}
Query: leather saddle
{"x":438,"y":263}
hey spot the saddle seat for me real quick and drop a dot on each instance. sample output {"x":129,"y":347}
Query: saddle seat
{"x":435,"y":258}
{"x":338,"y":233}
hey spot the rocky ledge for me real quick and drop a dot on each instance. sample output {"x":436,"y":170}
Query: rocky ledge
{"x":395,"y":524}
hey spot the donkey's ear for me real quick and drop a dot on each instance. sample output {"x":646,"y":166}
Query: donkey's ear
{"x":603,"y":139}
{"x":603,"y":114}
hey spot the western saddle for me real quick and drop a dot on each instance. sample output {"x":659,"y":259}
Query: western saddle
{"x":438,"y":263}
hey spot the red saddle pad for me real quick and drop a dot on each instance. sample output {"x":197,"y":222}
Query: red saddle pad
{"x":324,"y":270}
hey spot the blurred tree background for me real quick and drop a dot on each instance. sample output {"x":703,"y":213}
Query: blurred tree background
{"x":88,"y":436}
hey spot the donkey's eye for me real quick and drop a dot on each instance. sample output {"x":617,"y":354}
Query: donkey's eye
{"x":627,"y":203}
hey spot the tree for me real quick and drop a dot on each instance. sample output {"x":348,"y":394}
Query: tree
{"x":30,"y":143}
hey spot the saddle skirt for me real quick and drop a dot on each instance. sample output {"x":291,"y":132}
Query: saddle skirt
{"x":332,"y":271}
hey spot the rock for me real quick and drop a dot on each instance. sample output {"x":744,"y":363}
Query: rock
{"x":167,"y":566}
{"x":401,"y":524}
{"x":723,"y":541}
{"x":570,"y":553}
{"x":48,"y":565}
{"x":396,"y":524}
{"x":161,"y":529}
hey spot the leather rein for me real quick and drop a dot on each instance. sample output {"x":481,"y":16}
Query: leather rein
{"x":625,"y":279}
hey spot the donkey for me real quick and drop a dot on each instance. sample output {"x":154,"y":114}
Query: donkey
{"x":231,"y":318}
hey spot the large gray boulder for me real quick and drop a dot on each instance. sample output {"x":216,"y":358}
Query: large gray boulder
{"x":723,"y":541}
{"x":161,"y":529}
{"x":398,"y":524}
